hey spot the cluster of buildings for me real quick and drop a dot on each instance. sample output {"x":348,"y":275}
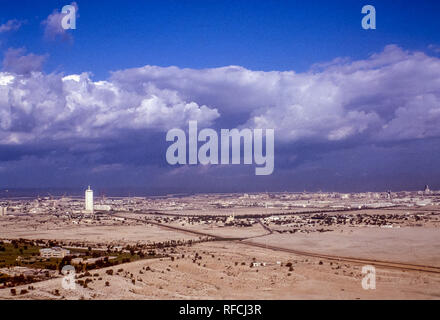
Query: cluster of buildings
{"x":88,"y":207}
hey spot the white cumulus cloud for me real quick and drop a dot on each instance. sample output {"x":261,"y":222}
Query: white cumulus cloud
{"x":392,"y":95}
{"x":39,"y":107}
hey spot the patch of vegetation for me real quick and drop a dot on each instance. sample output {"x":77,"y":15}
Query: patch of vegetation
{"x":26,"y":253}
{"x":23,"y":253}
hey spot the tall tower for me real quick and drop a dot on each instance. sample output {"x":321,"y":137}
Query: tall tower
{"x":89,"y":200}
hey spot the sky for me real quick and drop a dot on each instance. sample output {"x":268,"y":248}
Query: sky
{"x":352,"y":109}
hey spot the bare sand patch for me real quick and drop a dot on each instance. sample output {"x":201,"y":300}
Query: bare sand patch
{"x":416,"y":245}
{"x":112,"y":234}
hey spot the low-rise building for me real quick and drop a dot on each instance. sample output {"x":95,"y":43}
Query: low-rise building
{"x":102,"y":207}
{"x":54,"y":252}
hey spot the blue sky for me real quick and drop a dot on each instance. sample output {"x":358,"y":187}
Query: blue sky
{"x":258,"y":35}
{"x":352,"y":109}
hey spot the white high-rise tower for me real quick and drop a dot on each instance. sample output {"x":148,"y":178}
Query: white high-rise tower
{"x":89,"y":200}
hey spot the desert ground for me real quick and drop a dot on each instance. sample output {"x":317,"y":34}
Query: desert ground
{"x":407,"y":245}
{"x":241,"y":253}
{"x":219,"y":274}
{"x":127,"y":233}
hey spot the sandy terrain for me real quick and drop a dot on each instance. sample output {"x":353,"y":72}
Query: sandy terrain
{"x":121,"y":234}
{"x":219,"y":278}
{"x":229,"y":232}
{"x":418,"y":245}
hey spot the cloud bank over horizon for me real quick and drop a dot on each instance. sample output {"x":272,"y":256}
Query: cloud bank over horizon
{"x":390,"y":98}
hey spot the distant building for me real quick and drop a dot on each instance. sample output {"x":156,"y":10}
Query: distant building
{"x":230,"y":219}
{"x":259,"y":264}
{"x":102,"y":207}
{"x":3,"y":211}
{"x":54,"y":252}
{"x":427,"y":190}
{"x":89,"y":200}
